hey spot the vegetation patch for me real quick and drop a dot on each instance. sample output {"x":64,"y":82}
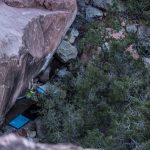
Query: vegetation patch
{"x":138,"y":10}
{"x":93,"y":36}
{"x":106,"y":105}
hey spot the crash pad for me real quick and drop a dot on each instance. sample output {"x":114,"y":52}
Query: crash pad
{"x":19,"y":121}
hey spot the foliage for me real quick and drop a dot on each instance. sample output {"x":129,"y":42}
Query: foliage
{"x":30,"y":94}
{"x":138,"y":9}
{"x":60,"y":120}
{"x":107,"y":106}
{"x":93,"y":37}
{"x":112,"y":90}
{"x":106,"y":103}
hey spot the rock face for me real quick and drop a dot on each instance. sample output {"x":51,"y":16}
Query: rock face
{"x":12,"y":142}
{"x":29,"y":31}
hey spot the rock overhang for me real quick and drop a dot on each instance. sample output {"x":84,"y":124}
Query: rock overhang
{"x":28,"y":33}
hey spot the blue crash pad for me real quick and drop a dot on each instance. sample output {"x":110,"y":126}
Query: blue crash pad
{"x":19,"y":121}
{"x":41,"y":90}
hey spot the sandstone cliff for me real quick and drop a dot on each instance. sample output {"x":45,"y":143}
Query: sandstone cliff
{"x":30,"y":30}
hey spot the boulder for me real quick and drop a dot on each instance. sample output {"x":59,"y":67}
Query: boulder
{"x":81,"y":5}
{"x":143,"y":31}
{"x":31,"y":134}
{"x":103,"y":4}
{"x":146,"y":61}
{"x":64,"y":73}
{"x":87,"y":2}
{"x":53,"y":5}
{"x":30,"y":30}
{"x":131,"y":28}
{"x":92,"y":12}
{"x":12,"y":142}
{"x":66,"y":51}
{"x":73,"y":35}
{"x":144,"y":37}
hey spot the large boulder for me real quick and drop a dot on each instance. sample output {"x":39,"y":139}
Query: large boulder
{"x":92,"y":13}
{"x":12,"y":142}
{"x":66,"y":52}
{"x":30,"y":30}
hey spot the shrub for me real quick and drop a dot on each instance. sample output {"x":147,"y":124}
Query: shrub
{"x":106,"y":105}
{"x":138,"y":9}
{"x":60,"y":119}
{"x":112,"y":89}
{"x":93,"y":37}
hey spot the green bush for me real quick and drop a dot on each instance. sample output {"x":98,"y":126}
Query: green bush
{"x":93,"y":37}
{"x":112,"y":90}
{"x":60,"y":119}
{"x":138,"y":9}
{"x":106,"y":105}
